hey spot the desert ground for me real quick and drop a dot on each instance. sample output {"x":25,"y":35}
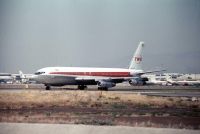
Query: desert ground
{"x":99,"y":108}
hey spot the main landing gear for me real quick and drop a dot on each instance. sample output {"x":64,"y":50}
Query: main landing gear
{"x":103,"y":88}
{"x":48,"y":87}
{"x":82,"y":87}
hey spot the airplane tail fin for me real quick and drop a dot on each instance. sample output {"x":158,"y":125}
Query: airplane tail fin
{"x":137,"y":57}
{"x":169,"y":79}
{"x":21,"y":75}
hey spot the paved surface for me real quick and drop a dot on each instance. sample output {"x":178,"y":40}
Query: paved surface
{"x":121,"y":87}
{"x":124,"y":88}
{"x":23,"y":128}
{"x":179,"y":94}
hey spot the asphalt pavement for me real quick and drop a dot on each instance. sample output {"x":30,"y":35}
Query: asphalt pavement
{"x":124,"y":88}
{"x":25,"y":128}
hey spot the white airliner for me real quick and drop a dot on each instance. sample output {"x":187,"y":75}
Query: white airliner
{"x":183,"y":82}
{"x":104,"y":78}
{"x":6,"y":78}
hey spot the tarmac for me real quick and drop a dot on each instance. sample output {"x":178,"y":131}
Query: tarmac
{"x":124,"y":88}
{"x":28,"y":128}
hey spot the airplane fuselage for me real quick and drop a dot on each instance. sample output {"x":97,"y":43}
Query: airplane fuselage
{"x":59,"y":76}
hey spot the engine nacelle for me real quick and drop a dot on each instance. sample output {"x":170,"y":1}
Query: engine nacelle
{"x":138,"y":81}
{"x":105,"y":84}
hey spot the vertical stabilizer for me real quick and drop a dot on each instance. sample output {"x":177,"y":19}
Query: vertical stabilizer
{"x":22,"y":76}
{"x":137,"y":58}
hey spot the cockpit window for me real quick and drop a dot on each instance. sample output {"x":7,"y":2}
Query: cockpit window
{"x":38,"y":73}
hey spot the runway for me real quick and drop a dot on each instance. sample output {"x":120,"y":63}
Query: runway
{"x":156,"y":90}
{"x":24,"y":128}
{"x":176,"y":94}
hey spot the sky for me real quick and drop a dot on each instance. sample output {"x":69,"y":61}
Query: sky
{"x":99,"y":33}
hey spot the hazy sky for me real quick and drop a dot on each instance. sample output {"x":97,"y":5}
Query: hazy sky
{"x":99,"y":33}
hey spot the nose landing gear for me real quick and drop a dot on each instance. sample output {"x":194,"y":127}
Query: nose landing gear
{"x":82,"y":87}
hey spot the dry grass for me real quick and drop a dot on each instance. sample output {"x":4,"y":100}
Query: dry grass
{"x":32,"y":99}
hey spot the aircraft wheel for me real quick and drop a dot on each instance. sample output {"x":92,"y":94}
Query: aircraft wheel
{"x":103,"y":88}
{"x":82,"y":87}
{"x":48,"y":87}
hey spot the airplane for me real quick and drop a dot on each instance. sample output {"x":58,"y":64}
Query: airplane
{"x":183,"y":82}
{"x":6,"y":78}
{"x":104,"y":78}
{"x":158,"y":79}
{"x":154,"y":81}
{"x":23,"y":78}
{"x":13,"y":78}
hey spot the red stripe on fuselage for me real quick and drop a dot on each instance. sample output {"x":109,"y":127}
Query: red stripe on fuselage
{"x":106,"y":74}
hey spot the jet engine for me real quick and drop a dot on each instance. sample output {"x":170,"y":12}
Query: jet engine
{"x":106,"y":84}
{"x":138,"y":81}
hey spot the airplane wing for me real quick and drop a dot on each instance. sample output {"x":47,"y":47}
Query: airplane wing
{"x":148,"y":72}
{"x":112,"y":81}
{"x":106,"y":79}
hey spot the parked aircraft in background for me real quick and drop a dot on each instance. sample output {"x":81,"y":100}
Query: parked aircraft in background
{"x":104,"y":78}
{"x":6,"y":78}
{"x":23,"y":78}
{"x":183,"y":82}
{"x":15,"y":78}
{"x":154,"y":81}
